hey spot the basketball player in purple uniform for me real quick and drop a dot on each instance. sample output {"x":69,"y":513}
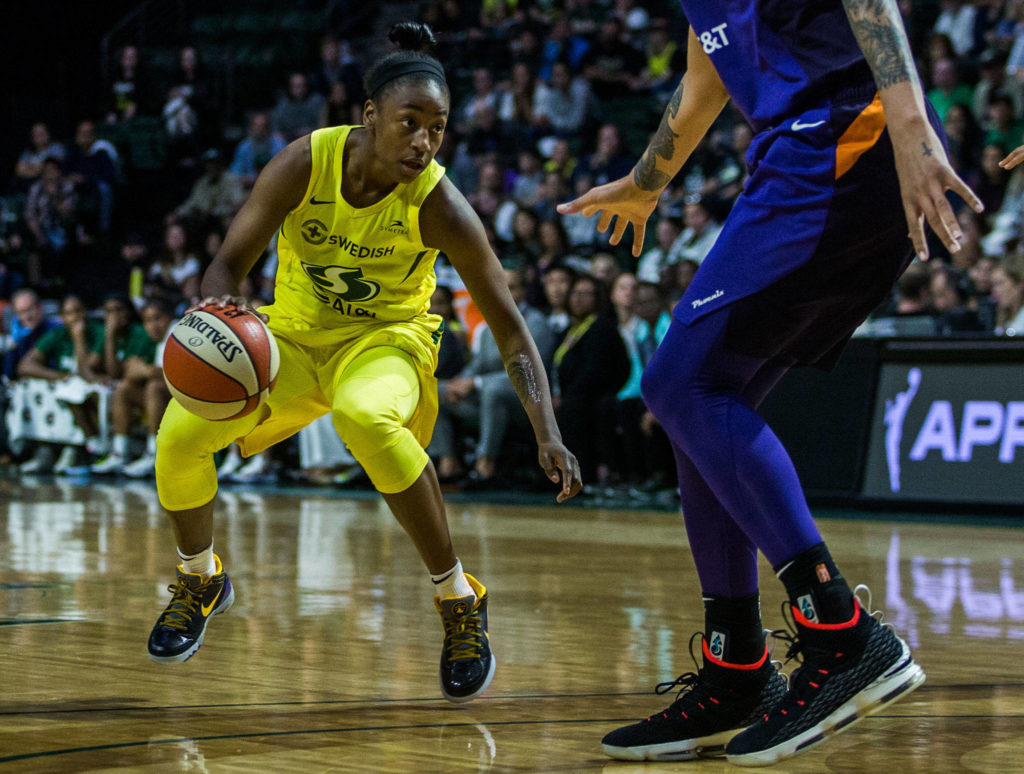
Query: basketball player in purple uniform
{"x":847,"y":157}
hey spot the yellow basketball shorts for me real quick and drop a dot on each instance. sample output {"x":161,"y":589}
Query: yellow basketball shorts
{"x":376,"y":381}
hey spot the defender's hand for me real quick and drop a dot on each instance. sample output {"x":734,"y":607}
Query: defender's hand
{"x":620,"y":200}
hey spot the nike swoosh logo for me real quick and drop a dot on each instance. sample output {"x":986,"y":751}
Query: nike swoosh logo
{"x":797,"y":126}
{"x":314,"y":201}
{"x":207,"y":610}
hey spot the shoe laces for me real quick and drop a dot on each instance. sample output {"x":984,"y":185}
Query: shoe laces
{"x":184,"y":603}
{"x":693,"y":696}
{"x":463,"y":636}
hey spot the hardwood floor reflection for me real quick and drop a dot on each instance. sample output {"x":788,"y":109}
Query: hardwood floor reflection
{"x":328,"y":660}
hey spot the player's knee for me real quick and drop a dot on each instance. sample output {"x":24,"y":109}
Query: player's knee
{"x":364,"y":420}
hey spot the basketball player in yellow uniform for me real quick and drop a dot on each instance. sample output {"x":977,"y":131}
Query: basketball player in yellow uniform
{"x":362,"y":213}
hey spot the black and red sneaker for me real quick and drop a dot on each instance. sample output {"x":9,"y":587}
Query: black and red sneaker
{"x":848,"y":671}
{"x":713,"y":705}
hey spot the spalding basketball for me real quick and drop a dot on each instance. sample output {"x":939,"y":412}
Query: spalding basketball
{"x":221,"y":363}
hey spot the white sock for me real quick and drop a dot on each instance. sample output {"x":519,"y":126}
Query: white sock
{"x":151,"y":445}
{"x":453,"y":583}
{"x":119,"y":446}
{"x":202,"y":563}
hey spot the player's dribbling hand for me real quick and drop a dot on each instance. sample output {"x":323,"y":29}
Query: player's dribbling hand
{"x":226,"y":300}
{"x":620,"y":200}
{"x":560,"y":465}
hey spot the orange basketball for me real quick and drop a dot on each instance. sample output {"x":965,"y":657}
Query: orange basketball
{"x":221,"y":363}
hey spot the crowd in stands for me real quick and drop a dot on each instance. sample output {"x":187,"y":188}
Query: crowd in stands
{"x":102,"y":245}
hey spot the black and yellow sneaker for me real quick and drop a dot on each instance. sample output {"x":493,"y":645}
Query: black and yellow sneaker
{"x":467,"y":664}
{"x":713,"y":705}
{"x":179,"y":630}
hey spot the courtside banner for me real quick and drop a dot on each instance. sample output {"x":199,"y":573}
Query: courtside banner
{"x":950,"y":432}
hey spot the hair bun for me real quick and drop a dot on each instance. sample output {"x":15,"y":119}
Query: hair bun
{"x":412,"y":36}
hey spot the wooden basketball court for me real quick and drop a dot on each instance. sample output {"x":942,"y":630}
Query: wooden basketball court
{"x":328,"y":660}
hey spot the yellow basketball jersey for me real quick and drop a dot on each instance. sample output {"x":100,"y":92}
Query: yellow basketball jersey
{"x":339,"y":264}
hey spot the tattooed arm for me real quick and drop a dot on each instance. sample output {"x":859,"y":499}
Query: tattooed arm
{"x":448,"y":223}
{"x":921,"y":164}
{"x":694,"y":106}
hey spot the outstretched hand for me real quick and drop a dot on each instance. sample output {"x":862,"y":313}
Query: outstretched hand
{"x":622,"y":201}
{"x":925,"y":175}
{"x":1013,"y":158}
{"x":226,"y":300}
{"x":560,"y":465}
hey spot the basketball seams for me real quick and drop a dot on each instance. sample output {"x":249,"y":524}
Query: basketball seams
{"x":226,"y":327}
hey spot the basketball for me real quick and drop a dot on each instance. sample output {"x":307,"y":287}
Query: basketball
{"x":221,"y":363}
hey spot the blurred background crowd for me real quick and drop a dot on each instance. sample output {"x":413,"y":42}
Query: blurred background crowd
{"x":108,"y":218}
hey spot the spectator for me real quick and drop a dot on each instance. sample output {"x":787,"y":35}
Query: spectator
{"x":990,"y":181}
{"x":604,"y":268}
{"x":665,"y":61}
{"x":957,"y":20}
{"x":194,"y":84}
{"x":552,"y":192}
{"x":1003,"y":128}
{"x":591,"y":366}
{"x":341,"y":107}
{"x":700,"y":231}
{"x":528,"y":179}
{"x":299,"y":111}
{"x":217,"y":194}
{"x":28,"y":324}
{"x":259,"y":147}
{"x":524,"y":248}
{"x":338,"y":65}
{"x":515,"y":104}
{"x":963,"y":136}
{"x":94,"y":167}
{"x":454,"y":345}
{"x":993,"y":80}
{"x":562,"y":107}
{"x":484,"y":96}
{"x":561,"y":159}
{"x":611,"y":65}
{"x":140,"y":390}
{"x":176,"y":274}
{"x":181,"y":126}
{"x":488,"y":195}
{"x":73,"y":349}
{"x":1008,"y":293}
{"x":131,"y":92}
{"x":948,"y":89}
{"x":49,"y":215}
{"x":482,"y":396}
{"x":29,"y":167}
{"x":655,"y":261}
{"x":582,"y":231}
{"x":610,"y":159}
{"x":561,"y":45}
{"x":913,"y":291}
{"x":556,"y":282}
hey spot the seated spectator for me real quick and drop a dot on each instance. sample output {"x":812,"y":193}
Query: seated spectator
{"x":69,"y":353}
{"x":176,"y":273}
{"x":342,"y":108}
{"x":50,"y":217}
{"x":553,"y":191}
{"x":993,"y":80}
{"x":650,"y":307}
{"x":196,"y":85}
{"x":981,"y":275}
{"x":591,"y":365}
{"x":611,"y":65}
{"x":699,"y":233}
{"x":1004,"y":128}
{"x":581,"y":231}
{"x":1008,"y":293}
{"x":957,"y":20}
{"x":656,"y":260}
{"x":604,"y":268}
{"x":94,"y":167}
{"x":515,"y":104}
{"x":666,"y":60}
{"x":181,"y":126}
{"x":527,"y":179}
{"x":485,"y":96}
{"x":482,"y":396}
{"x":29,"y":166}
{"x":299,"y":111}
{"x":563,"y":106}
{"x":963,"y":136}
{"x":259,"y":147}
{"x":338,"y":65}
{"x":610,"y":159}
{"x":451,"y":357}
{"x":990,"y":181}
{"x":556,"y":282}
{"x":28,"y":324}
{"x":131,"y":92}
{"x":217,"y":194}
{"x":561,"y":45}
{"x":140,"y":390}
{"x":913,"y":291}
{"x":948,"y":89}
{"x":489,"y":194}
{"x":561,"y":159}
{"x":524,"y":248}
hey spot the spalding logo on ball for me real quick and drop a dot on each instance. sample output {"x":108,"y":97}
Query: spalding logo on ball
{"x":221,"y":363}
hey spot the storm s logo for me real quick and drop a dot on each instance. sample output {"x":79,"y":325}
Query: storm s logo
{"x":344,"y":282}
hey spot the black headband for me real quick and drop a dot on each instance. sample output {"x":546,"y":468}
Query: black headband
{"x":394,"y":70}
